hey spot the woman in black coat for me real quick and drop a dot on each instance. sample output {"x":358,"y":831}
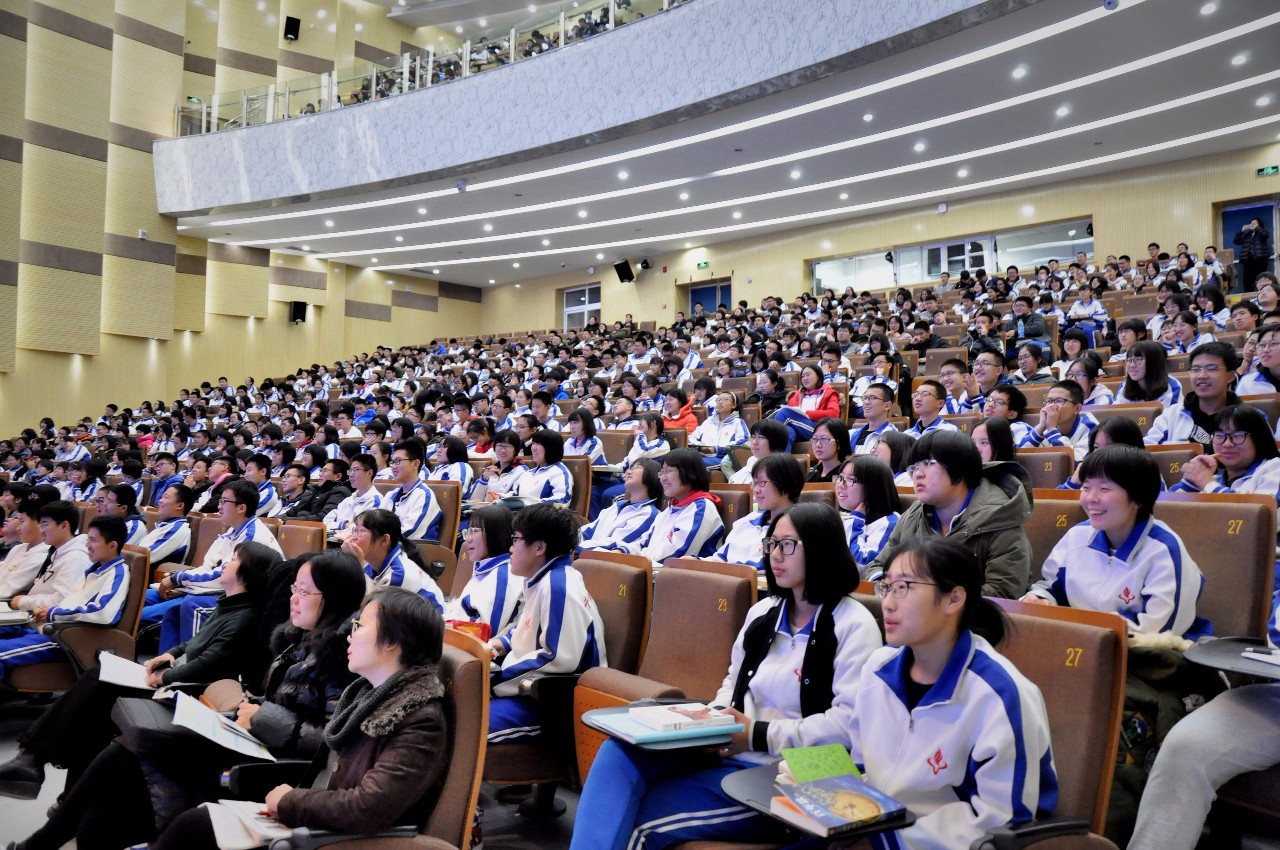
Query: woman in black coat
{"x":1253,"y":251}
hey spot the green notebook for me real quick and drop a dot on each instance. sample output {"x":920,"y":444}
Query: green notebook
{"x":811,"y":763}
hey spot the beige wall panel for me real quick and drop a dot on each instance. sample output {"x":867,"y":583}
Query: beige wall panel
{"x":11,"y":209}
{"x":8,"y":328}
{"x":368,"y":23}
{"x":286,"y":294}
{"x":230,"y":80}
{"x":170,"y":15}
{"x":236,"y":290}
{"x":137,"y":298}
{"x":193,"y":245}
{"x":63,"y":197}
{"x":1130,"y":208}
{"x":245,"y":27}
{"x":58,"y":310}
{"x":202,"y":27}
{"x":52,"y":60}
{"x":188,"y":302}
{"x":13,"y":70}
{"x":411,"y":326}
{"x":99,"y":11}
{"x":131,"y":197}
{"x":315,"y":37}
{"x":136,"y":67}
{"x":196,"y":85}
{"x":368,"y":285}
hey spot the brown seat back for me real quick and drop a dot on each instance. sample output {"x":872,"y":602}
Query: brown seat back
{"x":449,"y":496}
{"x":1171,"y":457}
{"x":677,"y":437}
{"x":1144,"y":414}
{"x":1268,"y":404}
{"x":464,"y":666}
{"x":1077,"y":660}
{"x":934,"y":357}
{"x":580,"y":469}
{"x":461,"y":576}
{"x":1049,"y":466}
{"x":621,"y":593}
{"x":717,"y":603}
{"x":435,"y":553}
{"x":150,"y":516}
{"x":298,"y":537}
{"x":1054,"y":512}
{"x":735,"y":502}
{"x":819,"y":491}
{"x":138,"y":558}
{"x":616,"y":444}
{"x":963,"y":421}
{"x":1232,"y":538}
{"x":209,"y":529}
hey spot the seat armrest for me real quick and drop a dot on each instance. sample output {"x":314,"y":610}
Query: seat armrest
{"x":252,"y":780}
{"x":553,"y":686}
{"x":83,"y":641}
{"x":1018,"y":836}
{"x":310,"y":839}
{"x":627,"y":686}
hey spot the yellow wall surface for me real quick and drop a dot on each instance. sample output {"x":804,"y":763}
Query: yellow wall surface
{"x":1168,"y":204}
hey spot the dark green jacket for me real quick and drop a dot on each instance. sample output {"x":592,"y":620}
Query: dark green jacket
{"x":991,"y":527}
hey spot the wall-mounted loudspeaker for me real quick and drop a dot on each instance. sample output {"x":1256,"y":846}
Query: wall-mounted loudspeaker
{"x":291,"y":27}
{"x":623,"y":268}
{"x":297,"y":311}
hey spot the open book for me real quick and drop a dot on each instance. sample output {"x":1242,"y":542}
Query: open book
{"x":204,"y":721}
{"x":243,"y":824}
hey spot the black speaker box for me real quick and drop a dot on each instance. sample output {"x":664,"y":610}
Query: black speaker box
{"x":291,"y":27}
{"x":297,"y":311}
{"x":623,"y":268}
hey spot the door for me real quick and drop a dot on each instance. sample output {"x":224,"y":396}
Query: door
{"x":1234,"y":218}
{"x":710,"y":296}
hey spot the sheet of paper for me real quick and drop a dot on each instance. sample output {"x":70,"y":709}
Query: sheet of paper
{"x":240,"y":825}
{"x":10,"y":617}
{"x":122,"y":671}
{"x":204,"y":721}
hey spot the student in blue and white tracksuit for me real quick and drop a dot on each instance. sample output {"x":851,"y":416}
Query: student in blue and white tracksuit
{"x":558,"y":629}
{"x":869,"y":505}
{"x":257,"y":470}
{"x":548,"y":480}
{"x":63,"y":575}
{"x":378,"y":543}
{"x":413,"y":501}
{"x":1062,"y":421}
{"x":97,"y":598}
{"x":691,"y":526}
{"x":776,"y":482}
{"x":582,"y":440}
{"x":944,"y":723}
{"x":1212,"y":370}
{"x":499,"y":480}
{"x":451,"y":464}
{"x":649,"y":443}
{"x":364,"y":496}
{"x":720,"y":431}
{"x":791,"y":680}
{"x":492,"y":595}
{"x":1123,"y":560}
{"x":1251,"y":465}
{"x":627,"y":521}
{"x":927,"y":403}
{"x":169,"y":541}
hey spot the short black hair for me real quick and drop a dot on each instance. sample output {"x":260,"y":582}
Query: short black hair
{"x":409,"y":622}
{"x":689,"y":465}
{"x":879,"y":493}
{"x":1132,"y":469}
{"x":125,"y":495}
{"x":186,"y":496}
{"x":1072,"y":387}
{"x":552,"y":445}
{"x":261,"y":461}
{"x":783,"y":471}
{"x":112,"y":528}
{"x":955,"y":451}
{"x":839,"y":431}
{"x":830,"y":573}
{"x":245,"y":493}
{"x":495,"y":522}
{"x":1016,"y":398}
{"x":1226,"y":353}
{"x":774,"y":433}
{"x":412,"y":448}
{"x":1251,"y":420}
{"x":547,"y":523}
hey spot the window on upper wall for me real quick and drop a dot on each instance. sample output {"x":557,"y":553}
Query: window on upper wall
{"x":1035,"y":246}
{"x":580,"y":305}
{"x":864,"y":271}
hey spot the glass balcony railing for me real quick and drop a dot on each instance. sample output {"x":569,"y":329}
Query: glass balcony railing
{"x":549,"y":30}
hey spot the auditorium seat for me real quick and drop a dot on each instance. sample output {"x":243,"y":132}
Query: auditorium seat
{"x":1048,"y":466}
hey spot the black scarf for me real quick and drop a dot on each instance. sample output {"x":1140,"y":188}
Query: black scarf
{"x":366,"y":710}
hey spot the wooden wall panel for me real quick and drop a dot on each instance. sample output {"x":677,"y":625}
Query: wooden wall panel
{"x":137,"y":298}
{"x":136,"y":66}
{"x":189,"y":284}
{"x":8,"y":328}
{"x":234,"y":289}
{"x":63,"y":198}
{"x":131,"y":197}
{"x":247,"y":27}
{"x":58,"y":310}
{"x":295,"y":278}
{"x":54,"y":59}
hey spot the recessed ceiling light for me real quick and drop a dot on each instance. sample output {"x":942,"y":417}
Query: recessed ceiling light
{"x":1019,"y":72}
{"x":582,"y":213}
{"x":515,"y":265}
{"x":622,"y":175}
{"x":688,"y":244}
{"x":491,"y":280}
{"x":867,"y":116}
{"x":844,"y":196}
{"x":306,"y":247}
{"x":737,"y":214}
{"x":795,"y":174}
{"x":1062,"y":111}
{"x":422,"y":210}
{"x":517,"y":285}
{"x":435,"y":271}
{"x":328,"y":222}
{"x":1240,"y":59}
{"x":546,"y":242}
{"x":684,"y":196}
{"x":532,"y":9}
{"x":488,"y":228}
{"x":1265,"y":100}
{"x":962,"y":173}
{"x":599,"y":256}
{"x":918,"y":147}
{"x":458,"y":30}
{"x":399,"y":238}
{"x":373,"y":259}
{"x":1208,"y":8}
{"x":483,"y":22}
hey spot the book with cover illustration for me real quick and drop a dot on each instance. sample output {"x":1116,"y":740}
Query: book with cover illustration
{"x":833,"y":805}
{"x":689,"y":715}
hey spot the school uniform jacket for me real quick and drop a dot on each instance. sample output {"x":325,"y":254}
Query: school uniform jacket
{"x":691,"y":529}
{"x":559,"y":629}
{"x":719,"y":434}
{"x":398,"y":571}
{"x":643,"y":448}
{"x":1256,"y":383}
{"x":621,"y":526}
{"x":551,"y":483}
{"x":1171,"y":396}
{"x":866,"y":541}
{"x":1149,"y":579}
{"x":503,"y":484}
{"x":780,"y":685}
{"x":168,"y":541}
{"x":418,"y":510}
{"x":589,"y":447}
{"x":19,"y":567}
{"x":159,"y":485}
{"x":352,"y":506}
{"x":99,"y":597}
{"x":1077,"y":437}
{"x":85,"y":493}
{"x":1176,"y":425}
{"x":492,"y":595}
{"x":65,"y":575}
{"x":972,"y":755}
{"x":742,"y":545}
{"x":459,"y":471}
{"x":204,"y":578}
{"x":918,"y":430}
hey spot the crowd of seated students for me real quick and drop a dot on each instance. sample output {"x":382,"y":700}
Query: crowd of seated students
{"x":312,"y":446}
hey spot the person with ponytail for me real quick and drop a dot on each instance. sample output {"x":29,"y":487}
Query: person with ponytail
{"x":945,"y":723}
{"x":377,"y":541}
{"x":791,"y":679}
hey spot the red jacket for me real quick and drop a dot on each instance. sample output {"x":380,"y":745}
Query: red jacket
{"x":828,"y":405}
{"x":687,"y":419}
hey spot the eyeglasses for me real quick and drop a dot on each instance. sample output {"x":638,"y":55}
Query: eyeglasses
{"x":228,"y":502}
{"x":1055,"y":402}
{"x":299,"y":590}
{"x":471,"y":531}
{"x":784,"y":544}
{"x":356,"y":625}
{"x":396,"y":461}
{"x":1205,"y":370}
{"x":950,"y":373}
{"x":923,"y":394}
{"x":1235,"y":438}
{"x":517,"y":538}
{"x":1267,"y":346}
{"x":921,"y":466}
{"x":997,"y":402}
{"x":1078,"y":377}
{"x":899,"y":588}
{"x":844,"y":480}
{"x":822,"y":441}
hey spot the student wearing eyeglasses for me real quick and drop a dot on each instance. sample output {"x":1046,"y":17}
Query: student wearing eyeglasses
{"x":927,"y":403}
{"x":1062,"y":423}
{"x":809,"y":624}
{"x":1265,"y":379}
{"x":982,"y":506}
{"x":1212,"y":370}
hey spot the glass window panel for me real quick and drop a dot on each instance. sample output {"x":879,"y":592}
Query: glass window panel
{"x":1035,"y":246}
{"x":933,"y":262}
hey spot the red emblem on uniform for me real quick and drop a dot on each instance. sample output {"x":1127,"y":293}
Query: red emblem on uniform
{"x":937,"y":762}
{"x":1127,"y":597}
